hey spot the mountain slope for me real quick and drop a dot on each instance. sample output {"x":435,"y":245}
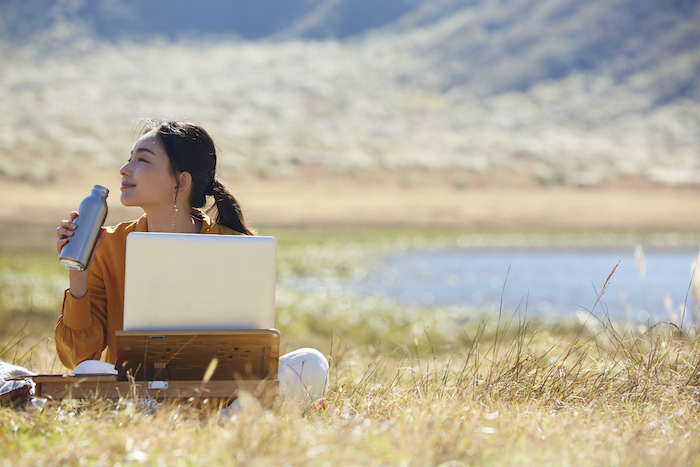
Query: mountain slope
{"x":479,"y":47}
{"x":556,"y":91}
{"x":489,"y":48}
{"x":174,"y":19}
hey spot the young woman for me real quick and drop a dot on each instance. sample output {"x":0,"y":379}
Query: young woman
{"x":171,"y":175}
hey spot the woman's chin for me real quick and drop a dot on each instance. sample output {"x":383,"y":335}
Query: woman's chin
{"x":127,"y":202}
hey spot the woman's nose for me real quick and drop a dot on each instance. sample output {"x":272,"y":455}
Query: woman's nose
{"x":123,"y":169}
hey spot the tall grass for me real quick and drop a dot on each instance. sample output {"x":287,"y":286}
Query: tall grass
{"x":520,"y":395}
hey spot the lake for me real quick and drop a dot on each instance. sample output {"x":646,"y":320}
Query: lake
{"x":541,"y":281}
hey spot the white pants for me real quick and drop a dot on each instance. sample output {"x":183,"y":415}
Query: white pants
{"x":303,"y":375}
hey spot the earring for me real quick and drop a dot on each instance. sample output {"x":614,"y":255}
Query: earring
{"x":174,"y":211}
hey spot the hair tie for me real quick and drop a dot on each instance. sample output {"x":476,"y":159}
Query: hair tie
{"x":214,"y":188}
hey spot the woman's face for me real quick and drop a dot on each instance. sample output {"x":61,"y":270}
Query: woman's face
{"x":147,"y":178}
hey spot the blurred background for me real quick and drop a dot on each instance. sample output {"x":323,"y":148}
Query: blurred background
{"x":556,"y":92}
{"x":498,"y":123}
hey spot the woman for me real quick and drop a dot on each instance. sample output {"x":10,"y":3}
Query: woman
{"x":171,"y":176}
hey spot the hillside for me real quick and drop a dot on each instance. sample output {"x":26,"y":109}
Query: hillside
{"x":175,"y":19}
{"x":517,"y":91}
{"x":479,"y":47}
{"x":487,"y":48}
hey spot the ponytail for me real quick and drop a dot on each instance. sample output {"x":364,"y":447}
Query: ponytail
{"x":190,"y":149}
{"x":228,"y":211}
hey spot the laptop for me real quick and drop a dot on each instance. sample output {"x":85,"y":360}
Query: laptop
{"x":195,"y":282}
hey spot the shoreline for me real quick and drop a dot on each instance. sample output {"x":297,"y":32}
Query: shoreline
{"x":376,"y":200}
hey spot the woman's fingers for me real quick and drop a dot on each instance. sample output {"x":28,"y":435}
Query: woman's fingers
{"x":60,"y":244}
{"x":67,"y":225}
{"x":65,"y":230}
{"x":63,"y":234}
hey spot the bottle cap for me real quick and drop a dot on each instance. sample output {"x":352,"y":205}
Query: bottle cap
{"x":101,"y":189}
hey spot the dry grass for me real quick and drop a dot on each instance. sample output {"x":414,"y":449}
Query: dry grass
{"x":517,"y":395}
{"x":478,"y":390}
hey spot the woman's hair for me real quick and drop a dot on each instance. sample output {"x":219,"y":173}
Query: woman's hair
{"x":190,"y":149}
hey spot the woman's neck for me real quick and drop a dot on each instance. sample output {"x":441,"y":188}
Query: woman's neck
{"x":179,"y":222}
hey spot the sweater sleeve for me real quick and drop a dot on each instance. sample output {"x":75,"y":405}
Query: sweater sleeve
{"x":80,"y":330}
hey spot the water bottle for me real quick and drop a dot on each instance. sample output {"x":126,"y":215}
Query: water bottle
{"x":77,"y":253}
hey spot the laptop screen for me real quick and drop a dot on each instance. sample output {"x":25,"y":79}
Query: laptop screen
{"x":188,"y":282}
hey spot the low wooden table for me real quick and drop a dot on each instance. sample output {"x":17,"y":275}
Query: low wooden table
{"x":173,"y":365}
{"x":107,"y":386}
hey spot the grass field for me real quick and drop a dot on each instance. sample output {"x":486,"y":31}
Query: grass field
{"x":483,"y":388}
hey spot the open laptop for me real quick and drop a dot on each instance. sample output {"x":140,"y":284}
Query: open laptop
{"x":194,"y":282}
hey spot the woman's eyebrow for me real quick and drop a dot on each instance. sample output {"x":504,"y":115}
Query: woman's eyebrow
{"x":143,"y":150}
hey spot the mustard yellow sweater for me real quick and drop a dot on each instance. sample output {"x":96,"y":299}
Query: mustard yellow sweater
{"x":87,"y":325}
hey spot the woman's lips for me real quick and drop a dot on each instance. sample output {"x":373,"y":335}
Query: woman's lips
{"x":127,"y":185}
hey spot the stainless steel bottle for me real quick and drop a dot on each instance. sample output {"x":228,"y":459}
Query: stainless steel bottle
{"x":77,"y":253}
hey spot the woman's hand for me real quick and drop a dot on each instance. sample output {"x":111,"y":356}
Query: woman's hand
{"x":78,"y":279}
{"x":65,"y":230}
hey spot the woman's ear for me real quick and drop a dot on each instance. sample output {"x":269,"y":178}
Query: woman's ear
{"x":185,"y":180}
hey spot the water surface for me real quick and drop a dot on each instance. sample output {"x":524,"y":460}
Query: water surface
{"x":541,"y":281}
